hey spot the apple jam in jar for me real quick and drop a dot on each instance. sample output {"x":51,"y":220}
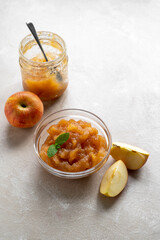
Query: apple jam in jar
{"x":46,"y":79}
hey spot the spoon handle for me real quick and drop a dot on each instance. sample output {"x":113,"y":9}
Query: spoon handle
{"x":34,"y":33}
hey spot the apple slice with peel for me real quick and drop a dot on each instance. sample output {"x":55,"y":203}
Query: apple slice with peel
{"x":133,"y":157}
{"x":114,"y":180}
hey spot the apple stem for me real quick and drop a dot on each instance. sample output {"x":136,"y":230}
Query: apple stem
{"x":23,"y":105}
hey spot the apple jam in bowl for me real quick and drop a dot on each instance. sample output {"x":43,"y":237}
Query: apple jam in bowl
{"x":49,"y":79}
{"x":84,"y":152}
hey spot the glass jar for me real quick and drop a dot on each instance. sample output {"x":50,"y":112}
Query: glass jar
{"x":46,"y":79}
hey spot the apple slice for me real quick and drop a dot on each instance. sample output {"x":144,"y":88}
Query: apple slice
{"x":114,"y":180}
{"x":133,"y":157}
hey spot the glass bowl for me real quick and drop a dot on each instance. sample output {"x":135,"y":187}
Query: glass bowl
{"x":41,"y":134}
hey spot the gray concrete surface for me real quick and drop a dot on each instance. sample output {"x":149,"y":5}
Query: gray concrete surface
{"x":114,"y":71}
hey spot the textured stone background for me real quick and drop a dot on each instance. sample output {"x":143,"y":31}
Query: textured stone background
{"x":114,"y":71}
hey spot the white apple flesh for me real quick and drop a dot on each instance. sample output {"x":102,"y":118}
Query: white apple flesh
{"x":114,"y":180}
{"x":133,"y":157}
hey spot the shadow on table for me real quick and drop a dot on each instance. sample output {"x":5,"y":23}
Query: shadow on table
{"x":18,"y":136}
{"x":56,"y":104}
{"x":48,"y":105}
{"x":63,"y":189}
{"x":135,"y":174}
{"x":107,"y":202}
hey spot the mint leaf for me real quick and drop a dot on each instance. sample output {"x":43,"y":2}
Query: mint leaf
{"x":62,"y":138}
{"x":52,"y":150}
{"x":59,"y":141}
{"x":57,"y":146}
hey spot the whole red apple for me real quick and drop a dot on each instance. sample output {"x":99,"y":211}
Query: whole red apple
{"x":23,"y":109}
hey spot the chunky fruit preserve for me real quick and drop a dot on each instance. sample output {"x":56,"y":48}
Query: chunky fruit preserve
{"x":84,"y":148}
{"x":49,"y":79}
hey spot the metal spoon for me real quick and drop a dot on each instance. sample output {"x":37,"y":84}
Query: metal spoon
{"x":34,"y":33}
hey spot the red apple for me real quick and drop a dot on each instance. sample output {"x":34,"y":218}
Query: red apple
{"x":23,"y":109}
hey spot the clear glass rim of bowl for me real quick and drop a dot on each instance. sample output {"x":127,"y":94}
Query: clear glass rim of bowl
{"x":71,"y":175}
{"x":41,"y":35}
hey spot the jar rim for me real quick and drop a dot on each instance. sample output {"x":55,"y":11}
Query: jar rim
{"x":40,"y":35}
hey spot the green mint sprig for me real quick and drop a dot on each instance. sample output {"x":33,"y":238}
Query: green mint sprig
{"x":59,"y":141}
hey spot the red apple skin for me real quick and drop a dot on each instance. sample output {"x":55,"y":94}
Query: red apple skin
{"x":23,"y":109}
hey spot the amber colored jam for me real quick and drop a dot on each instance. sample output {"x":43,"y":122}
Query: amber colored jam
{"x":84,"y":149}
{"x":45,"y":82}
{"x":47,"y":79}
